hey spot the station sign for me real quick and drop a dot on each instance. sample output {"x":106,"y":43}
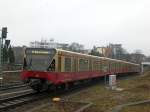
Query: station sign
{"x":40,"y":51}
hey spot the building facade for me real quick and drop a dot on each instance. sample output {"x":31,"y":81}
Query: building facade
{"x":105,"y":51}
{"x":47,"y":44}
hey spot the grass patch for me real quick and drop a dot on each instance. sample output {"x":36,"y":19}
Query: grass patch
{"x":135,"y":89}
{"x":137,"y":108}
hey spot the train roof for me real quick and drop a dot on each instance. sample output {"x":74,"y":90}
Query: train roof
{"x":81,"y":54}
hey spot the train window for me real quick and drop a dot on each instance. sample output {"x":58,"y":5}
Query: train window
{"x":114,"y":65}
{"x":52,"y":66}
{"x":24,"y":63}
{"x":39,"y":59}
{"x":37,"y":62}
{"x":96,"y":65}
{"x":90,"y":65}
{"x":101,"y":66}
{"x":74,"y":65}
{"x":83,"y":65}
{"x":110,"y":64}
{"x":105,"y":66}
{"x":68,"y":64}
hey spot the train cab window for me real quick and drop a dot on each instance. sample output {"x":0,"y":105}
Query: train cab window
{"x":38,"y":59}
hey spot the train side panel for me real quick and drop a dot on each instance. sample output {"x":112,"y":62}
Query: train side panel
{"x":70,"y":67}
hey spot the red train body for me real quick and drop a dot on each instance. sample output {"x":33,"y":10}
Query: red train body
{"x":64,"y":67}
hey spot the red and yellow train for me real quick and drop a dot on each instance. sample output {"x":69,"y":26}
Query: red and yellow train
{"x":43,"y":67}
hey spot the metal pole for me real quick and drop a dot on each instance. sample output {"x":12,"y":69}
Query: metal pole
{"x":1,"y":59}
{"x":1,"y":76}
{"x":0,"y":54}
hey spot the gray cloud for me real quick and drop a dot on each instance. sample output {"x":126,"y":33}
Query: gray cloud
{"x":90,"y":22}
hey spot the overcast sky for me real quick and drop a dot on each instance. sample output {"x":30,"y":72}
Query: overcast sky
{"x":89,"y":22}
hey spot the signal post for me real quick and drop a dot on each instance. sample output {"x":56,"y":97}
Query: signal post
{"x":3,"y":37}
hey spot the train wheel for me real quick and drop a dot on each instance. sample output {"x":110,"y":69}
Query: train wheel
{"x":66,"y":86}
{"x":38,"y":85}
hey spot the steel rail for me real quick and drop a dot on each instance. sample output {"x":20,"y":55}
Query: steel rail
{"x":10,"y":102}
{"x":23,"y":99}
{"x":13,"y":86}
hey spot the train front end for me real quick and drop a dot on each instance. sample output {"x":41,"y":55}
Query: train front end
{"x":39,"y":68}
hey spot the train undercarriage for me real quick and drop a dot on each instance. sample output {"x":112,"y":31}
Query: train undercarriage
{"x":38,"y":85}
{"x":41,"y":85}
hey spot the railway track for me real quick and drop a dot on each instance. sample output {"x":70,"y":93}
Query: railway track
{"x":12,"y":86}
{"x":18,"y":100}
{"x":14,"y":101}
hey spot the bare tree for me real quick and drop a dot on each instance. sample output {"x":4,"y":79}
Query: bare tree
{"x":137,"y":56}
{"x":76,"y":47}
{"x":95,"y":52}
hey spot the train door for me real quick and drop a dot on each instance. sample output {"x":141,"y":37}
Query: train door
{"x":115,"y":67}
{"x":105,"y":66}
{"x":110,"y":67}
{"x":90,"y":64}
{"x":101,"y":65}
{"x":59,"y":64}
{"x":74,"y":64}
{"x":67,"y":64}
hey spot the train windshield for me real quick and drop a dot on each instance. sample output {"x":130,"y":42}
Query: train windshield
{"x":39,"y":59}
